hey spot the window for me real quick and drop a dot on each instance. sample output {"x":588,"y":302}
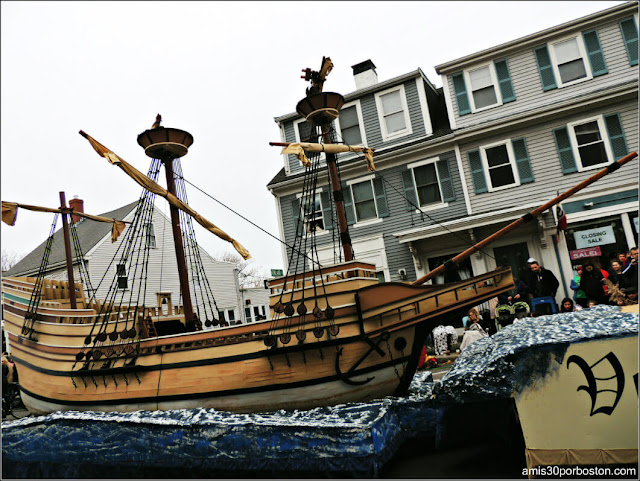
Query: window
{"x":350,"y":126}
{"x":364,"y":201}
{"x":490,"y":85}
{"x":482,"y":87}
{"x":121,"y":274}
{"x":151,"y":238}
{"x":590,"y":143}
{"x":316,"y":212}
{"x":231,"y":315}
{"x":313,"y":220}
{"x":393,"y":113}
{"x":427,"y":185}
{"x":247,"y":314}
{"x":304,"y":131}
{"x":500,"y":165}
{"x":569,"y":60}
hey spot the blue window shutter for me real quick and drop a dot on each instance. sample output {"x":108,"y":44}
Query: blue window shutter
{"x":348,"y":206}
{"x":446,"y":184}
{"x":477,"y":172}
{"x":565,"y":152}
{"x":327,"y":212}
{"x":594,"y":52}
{"x":295,"y":212}
{"x":629,"y":31}
{"x":523,"y":163}
{"x":616,"y":136}
{"x":504,"y":81}
{"x":409,"y":190}
{"x":381,"y":198}
{"x":460,"y":90}
{"x":545,"y":68}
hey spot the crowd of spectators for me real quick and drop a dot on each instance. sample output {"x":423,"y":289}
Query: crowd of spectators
{"x":592,"y":285}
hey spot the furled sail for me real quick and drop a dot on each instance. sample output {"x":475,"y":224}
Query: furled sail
{"x":10,"y":212}
{"x":298,"y":149}
{"x":154,"y":187}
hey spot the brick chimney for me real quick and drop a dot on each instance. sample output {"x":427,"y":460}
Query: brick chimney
{"x":364,"y":73}
{"x":77,"y":205}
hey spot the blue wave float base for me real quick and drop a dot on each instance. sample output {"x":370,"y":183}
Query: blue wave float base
{"x":347,"y":440}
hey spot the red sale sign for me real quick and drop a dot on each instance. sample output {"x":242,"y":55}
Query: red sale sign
{"x":582,"y":253}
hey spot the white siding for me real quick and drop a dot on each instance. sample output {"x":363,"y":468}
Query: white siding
{"x":162,"y":270}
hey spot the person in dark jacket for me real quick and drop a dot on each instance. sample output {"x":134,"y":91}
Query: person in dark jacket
{"x":591,"y":283}
{"x":615,"y":274}
{"x":542,"y":282}
{"x":624,"y":258}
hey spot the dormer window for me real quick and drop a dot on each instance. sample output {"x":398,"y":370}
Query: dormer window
{"x":350,"y":126}
{"x":393,"y":113}
{"x":482,"y":87}
{"x":569,"y":60}
{"x":304,"y":131}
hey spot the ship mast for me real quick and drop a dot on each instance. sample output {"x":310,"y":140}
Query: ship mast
{"x":320,"y":109}
{"x":67,"y":251}
{"x":168,"y":144}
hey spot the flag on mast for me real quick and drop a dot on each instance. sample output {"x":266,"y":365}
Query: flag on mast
{"x":562,"y":222}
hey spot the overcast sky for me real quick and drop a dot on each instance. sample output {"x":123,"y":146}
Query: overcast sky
{"x":220,"y":70}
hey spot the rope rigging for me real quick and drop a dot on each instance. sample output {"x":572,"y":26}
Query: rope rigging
{"x":36,"y":294}
{"x":131,"y":267}
{"x":308,"y":211}
{"x":206,"y":306}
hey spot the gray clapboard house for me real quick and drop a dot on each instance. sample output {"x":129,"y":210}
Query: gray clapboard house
{"x":405,"y":120}
{"x":98,"y":258}
{"x":536,"y":116}
{"x":512,"y":126}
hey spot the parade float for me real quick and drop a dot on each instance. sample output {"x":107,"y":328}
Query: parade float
{"x":338,"y":342}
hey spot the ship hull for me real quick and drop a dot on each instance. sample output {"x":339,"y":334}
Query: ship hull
{"x":369,"y":350}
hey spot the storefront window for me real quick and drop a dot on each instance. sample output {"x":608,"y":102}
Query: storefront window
{"x":595,"y":242}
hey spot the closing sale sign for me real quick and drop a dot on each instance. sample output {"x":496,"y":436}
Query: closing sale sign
{"x":594,"y":237}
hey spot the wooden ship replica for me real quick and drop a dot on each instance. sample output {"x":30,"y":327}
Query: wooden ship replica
{"x":335,"y":333}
